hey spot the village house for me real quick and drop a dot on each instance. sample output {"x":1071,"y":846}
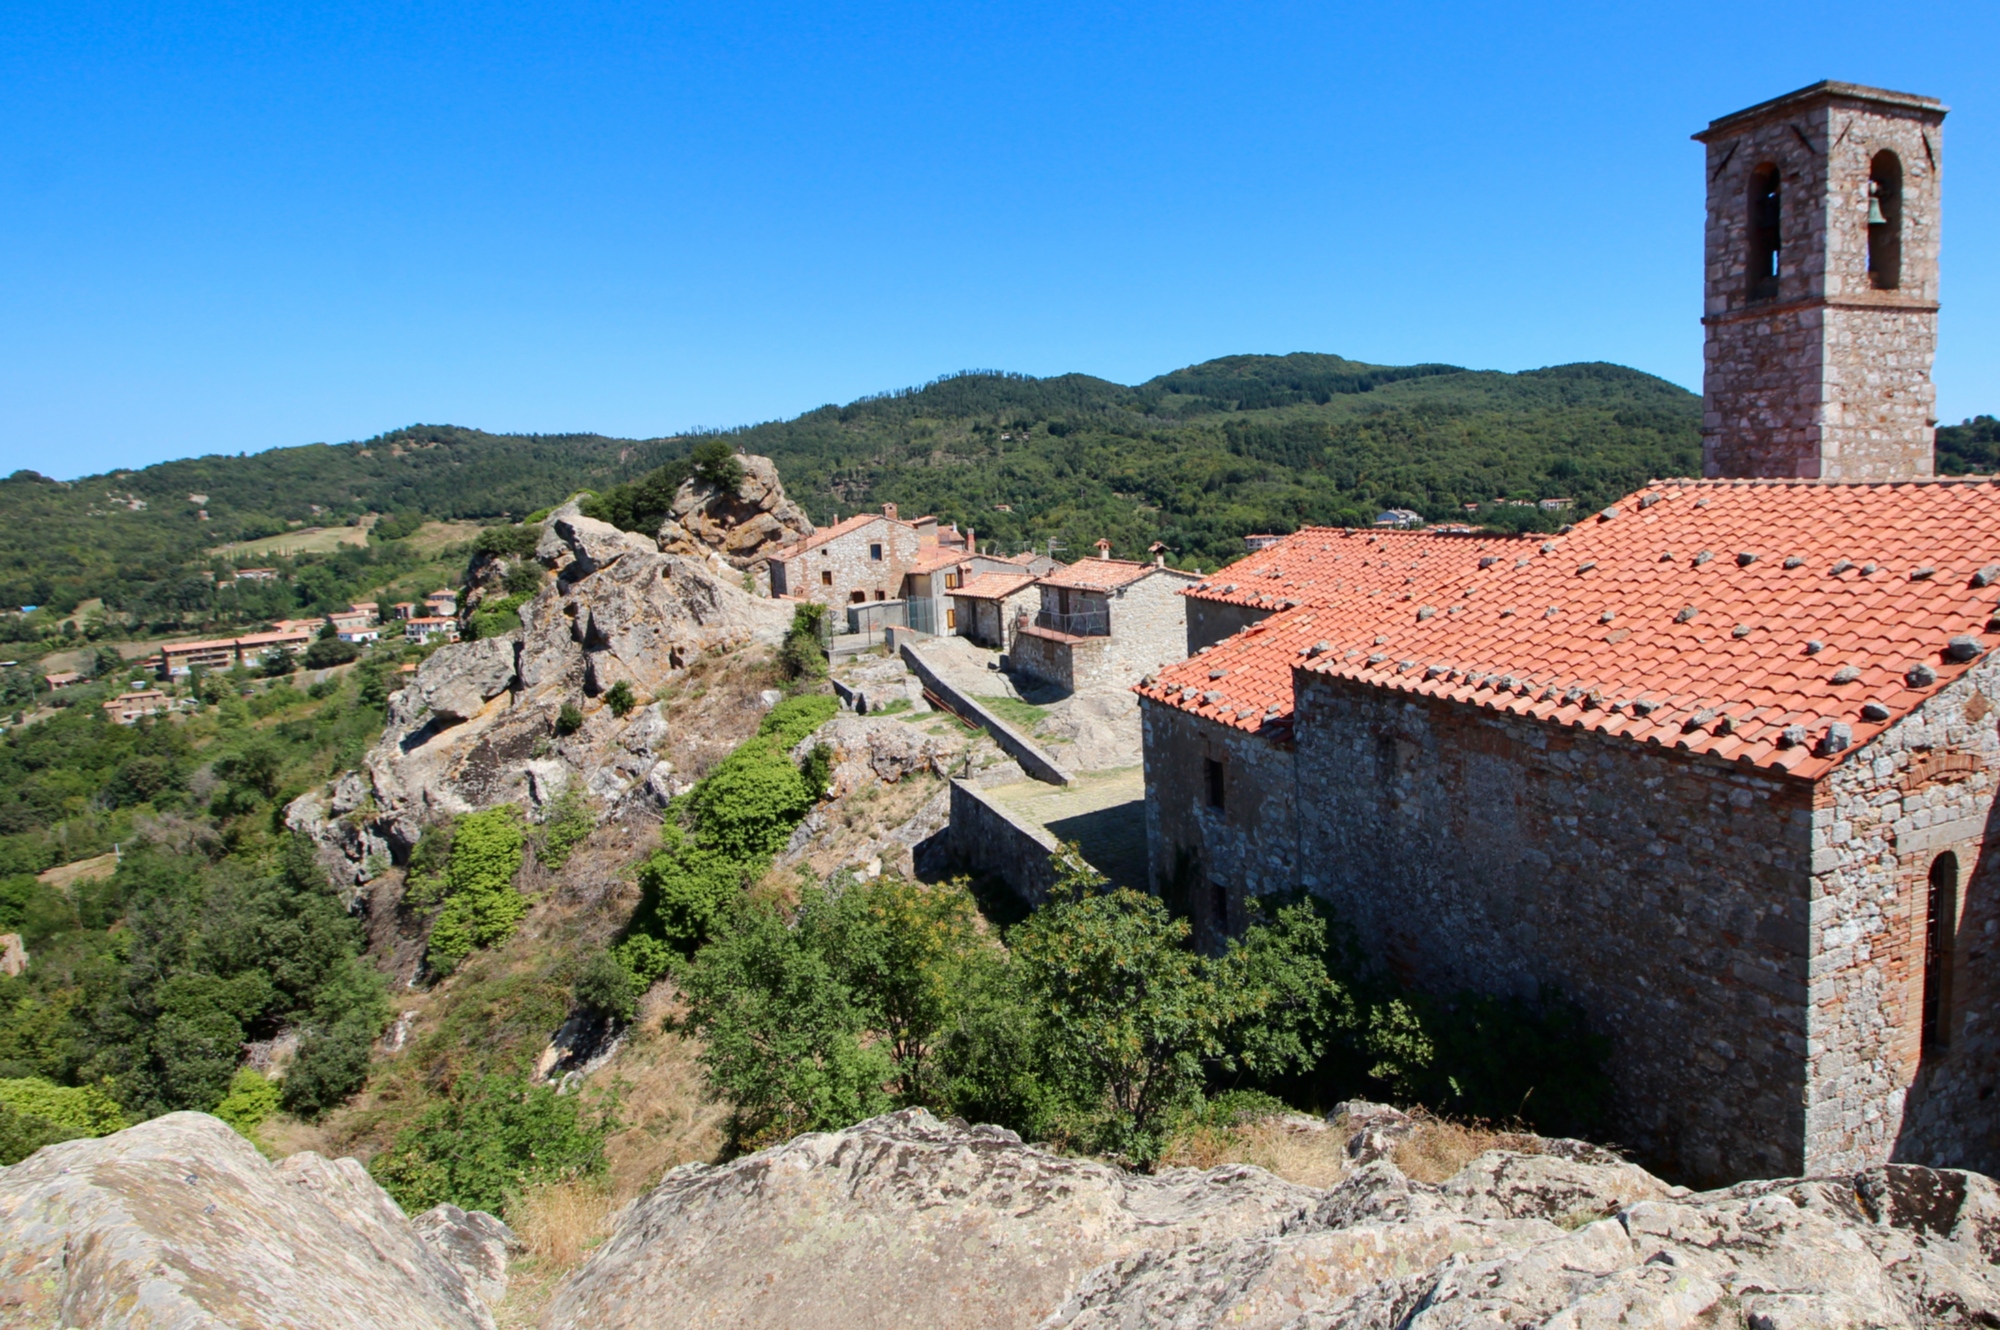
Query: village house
{"x":987,"y":606}
{"x":423,"y":627}
{"x":443,"y":601}
{"x":910,"y":567}
{"x":404,"y":609}
{"x":62,"y":679}
{"x":1103,"y":623}
{"x":131,"y":708}
{"x":178,"y":659}
{"x":256,"y":574}
{"x":1717,"y":763}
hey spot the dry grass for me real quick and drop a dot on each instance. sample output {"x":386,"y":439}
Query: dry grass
{"x":559,"y":1223}
{"x":666,"y":1115}
{"x":1440,"y":1147}
{"x":305,"y":540}
{"x":63,"y":876}
{"x":1297,"y":1149}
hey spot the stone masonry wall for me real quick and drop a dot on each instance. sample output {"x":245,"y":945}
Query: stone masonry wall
{"x":1148,"y":626}
{"x":1209,"y":860}
{"x":846,"y":558}
{"x":1043,"y":656}
{"x":1209,"y":621}
{"x":1923,"y":789}
{"x":1665,"y":893}
{"x":1831,"y":377}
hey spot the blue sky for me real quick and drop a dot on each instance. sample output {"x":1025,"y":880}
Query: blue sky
{"x":235,"y":226}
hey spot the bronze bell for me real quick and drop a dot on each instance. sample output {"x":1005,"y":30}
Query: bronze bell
{"x":1875,"y":217}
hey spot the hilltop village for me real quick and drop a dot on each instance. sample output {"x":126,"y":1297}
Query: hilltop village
{"x":700,"y":916}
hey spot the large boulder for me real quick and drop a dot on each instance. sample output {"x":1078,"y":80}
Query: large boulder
{"x":179,"y":1222}
{"x":743,"y":527}
{"x":904,"y":1220}
{"x":900,"y":1221}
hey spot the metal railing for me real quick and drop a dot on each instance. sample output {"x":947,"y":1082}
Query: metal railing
{"x":1078,"y":623}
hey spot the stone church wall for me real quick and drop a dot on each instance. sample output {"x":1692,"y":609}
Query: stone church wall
{"x":1664,"y":893}
{"x":1923,"y":789}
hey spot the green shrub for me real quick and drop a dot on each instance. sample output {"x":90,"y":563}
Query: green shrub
{"x":715,"y":462}
{"x":492,"y":1138}
{"x":481,"y":904}
{"x":747,"y":805}
{"x":524,"y":578}
{"x":606,"y":986}
{"x":86,"y":1109}
{"x":327,"y":652}
{"x":508,"y":542}
{"x":683,"y":889}
{"x":251,"y":1100}
{"x":620,"y":699}
{"x":568,"y":823}
{"x":800,"y":655}
{"x":796,"y":717}
{"x":568,"y":720}
{"x":350,"y":1009}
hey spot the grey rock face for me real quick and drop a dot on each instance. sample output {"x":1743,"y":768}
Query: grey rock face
{"x":899,"y":1221}
{"x":742,"y":529}
{"x":457,"y":682}
{"x":472,"y":1242}
{"x":904,"y":1220}
{"x":179,"y":1222}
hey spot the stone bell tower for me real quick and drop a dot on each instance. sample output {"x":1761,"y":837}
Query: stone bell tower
{"x":1821,"y":291}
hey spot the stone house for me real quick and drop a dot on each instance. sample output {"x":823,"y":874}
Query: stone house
{"x":1103,"y":623}
{"x":987,"y":606}
{"x":1717,"y":763}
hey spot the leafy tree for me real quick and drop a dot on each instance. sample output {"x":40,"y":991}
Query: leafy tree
{"x":326,"y":652}
{"x":715,"y":462}
{"x":524,"y":578}
{"x":35,"y":1112}
{"x":784,"y":1037}
{"x":801,"y":655}
{"x":348,"y":1012}
{"x":620,"y":699}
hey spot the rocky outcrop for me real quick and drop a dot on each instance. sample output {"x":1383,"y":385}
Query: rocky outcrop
{"x":473,"y":1243}
{"x":904,"y":1220}
{"x":476,"y":726}
{"x":864,"y":749}
{"x":742,"y":528}
{"x":179,"y":1222}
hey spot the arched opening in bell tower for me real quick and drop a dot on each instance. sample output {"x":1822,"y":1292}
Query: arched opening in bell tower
{"x":1885,"y":221}
{"x":1766,"y":233}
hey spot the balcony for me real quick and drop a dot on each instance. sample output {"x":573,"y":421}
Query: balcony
{"x":1078,"y":623}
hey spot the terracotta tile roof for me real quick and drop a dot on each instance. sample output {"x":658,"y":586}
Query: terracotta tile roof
{"x":838,"y":529}
{"x":1781,"y":623}
{"x":940,"y":558}
{"x":1325,"y":565}
{"x":1098,"y":574}
{"x":992,"y":586}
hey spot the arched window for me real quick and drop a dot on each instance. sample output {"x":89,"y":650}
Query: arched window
{"x":1885,"y":221}
{"x":1940,"y":916}
{"x":1766,"y":233}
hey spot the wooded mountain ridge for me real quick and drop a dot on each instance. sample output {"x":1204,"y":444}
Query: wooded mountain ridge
{"x":1195,"y":458}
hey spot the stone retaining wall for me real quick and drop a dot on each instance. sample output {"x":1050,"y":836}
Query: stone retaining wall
{"x":986,"y":838}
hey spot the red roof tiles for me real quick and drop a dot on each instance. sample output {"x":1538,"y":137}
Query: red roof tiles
{"x":1098,"y":574}
{"x":1746,"y":619}
{"x":992,"y":586}
{"x":826,"y":533}
{"x":1326,"y":565}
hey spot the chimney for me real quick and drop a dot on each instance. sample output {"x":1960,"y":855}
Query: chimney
{"x":970,"y":547}
{"x":889,"y":511}
{"x":1103,"y":549}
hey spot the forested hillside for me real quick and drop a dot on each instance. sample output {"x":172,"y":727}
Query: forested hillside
{"x":1195,"y":458}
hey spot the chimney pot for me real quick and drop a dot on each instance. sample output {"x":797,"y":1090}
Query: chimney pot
{"x":889,"y":511}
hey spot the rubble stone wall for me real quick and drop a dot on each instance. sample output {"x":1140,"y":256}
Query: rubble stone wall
{"x":847,"y":560}
{"x":1922,"y":790}
{"x":1208,"y":860}
{"x":1664,"y":893}
{"x":1210,"y":621}
{"x":1148,"y":626}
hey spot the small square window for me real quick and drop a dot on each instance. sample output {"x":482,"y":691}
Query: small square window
{"x":1212,"y":769}
{"x":875,"y":553}
{"x":826,"y":577}
{"x":881,"y":595}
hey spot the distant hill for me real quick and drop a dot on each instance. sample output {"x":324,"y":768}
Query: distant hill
{"x":1195,"y":458}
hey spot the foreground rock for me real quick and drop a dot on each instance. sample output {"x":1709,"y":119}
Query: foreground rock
{"x":904,"y":1220}
{"x":179,"y":1222}
{"x":900,"y":1221}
